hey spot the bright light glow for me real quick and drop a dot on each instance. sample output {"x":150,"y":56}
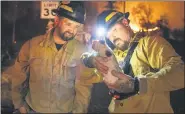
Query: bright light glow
{"x":153,"y":29}
{"x":134,"y":27}
{"x":100,"y":31}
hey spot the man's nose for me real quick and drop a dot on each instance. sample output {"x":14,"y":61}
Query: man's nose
{"x":114,"y":34}
{"x":71,"y":30}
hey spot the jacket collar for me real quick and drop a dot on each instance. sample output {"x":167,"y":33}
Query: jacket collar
{"x":48,"y":41}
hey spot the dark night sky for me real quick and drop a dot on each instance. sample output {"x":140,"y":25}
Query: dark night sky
{"x":174,"y":11}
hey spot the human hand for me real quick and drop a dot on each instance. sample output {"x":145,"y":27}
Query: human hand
{"x":99,"y":63}
{"x":124,"y":84}
{"x":22,"y":110}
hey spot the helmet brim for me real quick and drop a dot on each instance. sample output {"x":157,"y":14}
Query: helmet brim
{"x":126,"y":15}
{"x":66,"y":16}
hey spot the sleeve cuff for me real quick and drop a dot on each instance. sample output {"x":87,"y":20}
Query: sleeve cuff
{"x":86,"y":59}
{"x":142,"y":85}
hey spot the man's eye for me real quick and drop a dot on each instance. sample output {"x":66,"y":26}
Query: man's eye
{"x":77,"y":26}
{"x":115,"y":30}
{"x":68,"y":24}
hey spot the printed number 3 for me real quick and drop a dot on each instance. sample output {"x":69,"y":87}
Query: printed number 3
{"x":47,"y":12}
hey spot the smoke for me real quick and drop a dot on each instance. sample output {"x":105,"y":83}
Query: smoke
{"x":174,"y":10}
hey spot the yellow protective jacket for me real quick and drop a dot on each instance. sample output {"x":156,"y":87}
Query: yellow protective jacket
{"x":54,"y":83}
{"x":159,"y":69}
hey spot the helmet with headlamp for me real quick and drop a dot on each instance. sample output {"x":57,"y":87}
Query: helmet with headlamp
{"x":106,"y":20}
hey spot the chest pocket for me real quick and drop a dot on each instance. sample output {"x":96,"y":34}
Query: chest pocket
{"x":37,"y":65}
{"x":69,"y":69}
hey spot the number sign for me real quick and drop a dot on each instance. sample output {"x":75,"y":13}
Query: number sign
{"x":46,"y":9}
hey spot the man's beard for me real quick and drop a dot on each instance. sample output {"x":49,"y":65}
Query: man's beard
{"x":64,"y":36}
{"x":122,"y":46}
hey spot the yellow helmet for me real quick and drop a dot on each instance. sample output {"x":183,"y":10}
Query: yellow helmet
{"x":109,"y":17}
{"x":106,"y":20}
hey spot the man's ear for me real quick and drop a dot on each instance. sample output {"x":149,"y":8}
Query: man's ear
{"x":56,"y":20}
{"x":125,"y":22}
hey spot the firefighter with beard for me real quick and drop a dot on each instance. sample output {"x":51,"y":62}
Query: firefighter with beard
{"x":45,"y":77}
{"x":150,"y":67}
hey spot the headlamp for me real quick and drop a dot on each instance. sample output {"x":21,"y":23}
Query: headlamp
{"x":100,"y":32}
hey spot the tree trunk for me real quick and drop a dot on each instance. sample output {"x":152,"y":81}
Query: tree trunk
{"x":124,"y":6}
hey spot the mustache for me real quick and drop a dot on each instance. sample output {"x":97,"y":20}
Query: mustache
{"x":69,"y":33}
{"x":116,"y":40}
